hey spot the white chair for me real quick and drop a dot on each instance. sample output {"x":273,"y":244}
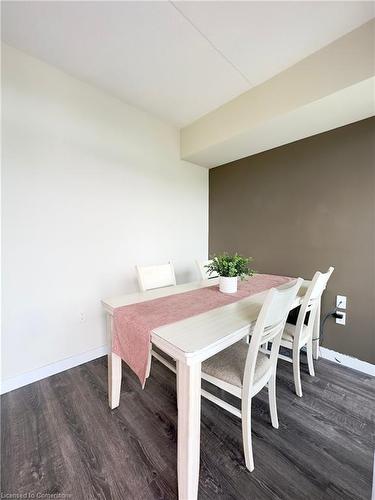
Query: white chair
{"x":150,"y":277}
{"x":299,"y":335}
{"x":242,"y":370}
{"x":203,"y":269}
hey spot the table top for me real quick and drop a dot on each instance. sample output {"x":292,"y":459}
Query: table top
{"x":201,"y":336}
{"x":134,"y":298}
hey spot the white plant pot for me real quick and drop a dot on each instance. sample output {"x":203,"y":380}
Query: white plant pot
{"x":228,"y":285}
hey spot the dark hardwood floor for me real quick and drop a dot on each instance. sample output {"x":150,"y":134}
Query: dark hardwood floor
{"x":59,"y":436}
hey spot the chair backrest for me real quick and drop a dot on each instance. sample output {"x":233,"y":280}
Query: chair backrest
{"x":203,"y":271}
{"x":269,"y":327}
{"x":150,"y":277}
{"x":311,"y":302}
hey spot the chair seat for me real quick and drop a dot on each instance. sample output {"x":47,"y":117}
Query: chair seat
{"x":229,"y":365}
{"x":290,"y":331}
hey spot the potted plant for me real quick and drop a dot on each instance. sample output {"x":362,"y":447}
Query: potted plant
{"x":230,"y":268}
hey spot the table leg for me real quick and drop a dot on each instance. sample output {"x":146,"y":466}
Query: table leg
{"x":114,"y":380}
{"x":189,"y":423}
{"x":114,"y":370}
{"x":316,"y":332}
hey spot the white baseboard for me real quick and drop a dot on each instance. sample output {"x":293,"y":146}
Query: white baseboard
{"x":60,"y":366}
{"x":348,"y":361}
{"x":46,"y":371}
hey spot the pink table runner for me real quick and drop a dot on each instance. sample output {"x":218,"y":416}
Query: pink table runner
{"x":132,"y":324}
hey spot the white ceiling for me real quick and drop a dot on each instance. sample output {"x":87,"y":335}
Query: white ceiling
{"x":177,"y":60}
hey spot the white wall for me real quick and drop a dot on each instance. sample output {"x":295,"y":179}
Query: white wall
{"x":91,"y":186}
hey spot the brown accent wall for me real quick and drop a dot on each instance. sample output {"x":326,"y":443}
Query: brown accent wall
{"x":301,"y":208}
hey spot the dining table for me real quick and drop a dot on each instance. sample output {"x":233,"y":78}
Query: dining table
{"x":190,"y":342}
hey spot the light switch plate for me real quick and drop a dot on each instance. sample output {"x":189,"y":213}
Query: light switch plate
{"x":341,"y":301}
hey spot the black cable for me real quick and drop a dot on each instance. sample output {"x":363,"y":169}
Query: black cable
{"x":332,"y":313}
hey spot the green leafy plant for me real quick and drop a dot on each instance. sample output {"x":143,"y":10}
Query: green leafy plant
{"x":230,"y":266}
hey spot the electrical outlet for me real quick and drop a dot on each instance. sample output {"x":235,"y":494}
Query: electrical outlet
{"x":342,"y":320}
{"x":341,"y":301}
{"x":82,"y":317}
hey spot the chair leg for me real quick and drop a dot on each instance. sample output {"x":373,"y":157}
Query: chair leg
{"x":149,"y":363}
{"x":176,"y":386}
{"x":296,"y":370}
{"x":246,"y":434}
{"x":272,"y":401}
{"x":310,"y":361}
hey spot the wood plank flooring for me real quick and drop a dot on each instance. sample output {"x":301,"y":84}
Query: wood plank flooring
{"x":59,"y":437}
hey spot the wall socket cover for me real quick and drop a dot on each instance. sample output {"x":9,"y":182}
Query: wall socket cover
{"x":341,"y":301}
{"x":341,"y":321}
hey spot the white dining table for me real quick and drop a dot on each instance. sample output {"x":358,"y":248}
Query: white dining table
{"x":190,"y":342}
